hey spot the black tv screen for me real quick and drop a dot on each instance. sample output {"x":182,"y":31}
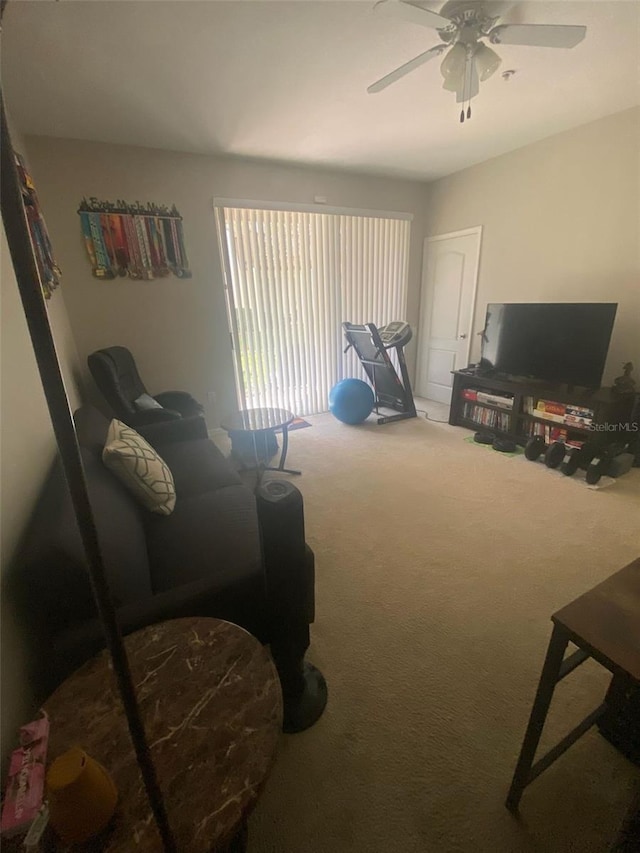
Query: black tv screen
{"x":559,"y":342}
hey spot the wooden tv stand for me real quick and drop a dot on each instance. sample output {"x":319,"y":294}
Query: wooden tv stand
{"x":518,"y":422}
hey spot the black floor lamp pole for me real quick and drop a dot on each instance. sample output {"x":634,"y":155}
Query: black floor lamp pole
{"x":35,"y":310}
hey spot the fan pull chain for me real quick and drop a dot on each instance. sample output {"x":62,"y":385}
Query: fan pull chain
{"x":471,"y":68}
{"x":466,"y":89}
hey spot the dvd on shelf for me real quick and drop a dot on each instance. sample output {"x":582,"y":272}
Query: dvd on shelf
{"x":486,"y":417}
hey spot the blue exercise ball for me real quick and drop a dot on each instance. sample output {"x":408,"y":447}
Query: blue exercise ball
{"x":351,"y":401}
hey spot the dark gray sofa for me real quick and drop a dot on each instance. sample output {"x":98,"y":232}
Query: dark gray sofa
{"x":205,"y":559}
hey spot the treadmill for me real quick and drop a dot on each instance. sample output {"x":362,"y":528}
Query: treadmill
{"x":372,"y":346}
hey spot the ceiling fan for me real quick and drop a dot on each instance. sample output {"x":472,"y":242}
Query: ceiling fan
{"x":462,"y":25}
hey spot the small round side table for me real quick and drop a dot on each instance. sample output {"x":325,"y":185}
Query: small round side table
{"x":261,"y":423}
{"x":210,"y":699}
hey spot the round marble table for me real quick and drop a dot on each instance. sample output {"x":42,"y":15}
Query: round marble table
{"x":212,"y":707}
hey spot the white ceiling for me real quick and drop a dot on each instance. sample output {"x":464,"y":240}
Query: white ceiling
{"x":287,"y":80}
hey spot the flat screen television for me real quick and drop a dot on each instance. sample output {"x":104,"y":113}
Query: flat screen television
{"x":564,"y":342}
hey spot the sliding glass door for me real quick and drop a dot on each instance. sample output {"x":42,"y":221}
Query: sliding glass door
{"x":292,"y":278}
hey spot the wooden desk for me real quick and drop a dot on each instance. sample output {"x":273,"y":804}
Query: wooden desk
{"x":604,"y":624}
{"x":212,"y":707}
{"x":606,"y":620}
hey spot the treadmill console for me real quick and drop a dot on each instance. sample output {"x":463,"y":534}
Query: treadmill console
{"x":395,"y":334}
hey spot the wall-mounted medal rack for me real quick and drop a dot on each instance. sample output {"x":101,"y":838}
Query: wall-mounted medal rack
{"x":141,"y":241}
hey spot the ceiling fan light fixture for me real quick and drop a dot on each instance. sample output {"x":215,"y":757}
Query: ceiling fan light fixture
{"x":487,"y":61}
{"x":453,"y":65}
{"x":452,"y":84}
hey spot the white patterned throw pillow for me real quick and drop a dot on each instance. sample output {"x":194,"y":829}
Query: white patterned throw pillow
{"x":139,"y":467}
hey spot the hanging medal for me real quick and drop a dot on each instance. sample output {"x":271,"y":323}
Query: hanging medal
{"x":185,"y":271}
{"x":107,"y":238}
{"x":135,"y":261}
{"x":101,"y":267}
{"x":171,"y":251}
{"x":88,"y":241}
{"x":163,"y":269}
{"x":143,"y":245}
{"x":119,"y":243}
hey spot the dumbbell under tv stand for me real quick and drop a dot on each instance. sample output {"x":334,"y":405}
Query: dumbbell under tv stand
{"x":607,"y":407}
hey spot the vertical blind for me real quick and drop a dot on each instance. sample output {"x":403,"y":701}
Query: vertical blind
{"x":292,"y":278}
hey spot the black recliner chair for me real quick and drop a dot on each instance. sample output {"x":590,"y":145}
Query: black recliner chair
{"x":116,"y":375}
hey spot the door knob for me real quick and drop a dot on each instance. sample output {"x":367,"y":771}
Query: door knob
{"x":463,"y":335}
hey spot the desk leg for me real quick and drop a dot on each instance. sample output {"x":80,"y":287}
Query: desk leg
{"x":548,"y":680}
{"x":616,"y":694}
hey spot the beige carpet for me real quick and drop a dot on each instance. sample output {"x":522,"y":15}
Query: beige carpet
{"x":439,"y":564}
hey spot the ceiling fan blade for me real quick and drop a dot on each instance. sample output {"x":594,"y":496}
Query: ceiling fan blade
{"x":538,"y":35}
{"x":414,"y":14}
{"x":419,"y":60}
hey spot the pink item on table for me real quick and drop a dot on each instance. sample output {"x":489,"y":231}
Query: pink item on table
{"x":25,"y":786}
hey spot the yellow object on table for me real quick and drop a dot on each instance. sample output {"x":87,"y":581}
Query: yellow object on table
{"x":82,"y":796}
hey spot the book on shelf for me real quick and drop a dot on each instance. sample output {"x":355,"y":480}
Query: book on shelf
{"x":528,"y":405}
{"x":557,"y":434}
{"x":580,"y":411}
{"x":582,"y":423}
{"x":469,"y":394}
{"x":549,"y":416}
{"x":501,"y":400}
{"x":549,"y":408}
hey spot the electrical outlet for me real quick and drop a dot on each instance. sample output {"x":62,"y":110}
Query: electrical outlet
{"x":211,"y":398}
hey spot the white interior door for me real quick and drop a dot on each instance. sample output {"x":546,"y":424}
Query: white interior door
{"x":450,"y":275}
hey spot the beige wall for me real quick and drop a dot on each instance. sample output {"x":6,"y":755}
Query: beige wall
{"x":560,"y":223}
{"x":27,"y":448}
{"x":177,"y":329}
